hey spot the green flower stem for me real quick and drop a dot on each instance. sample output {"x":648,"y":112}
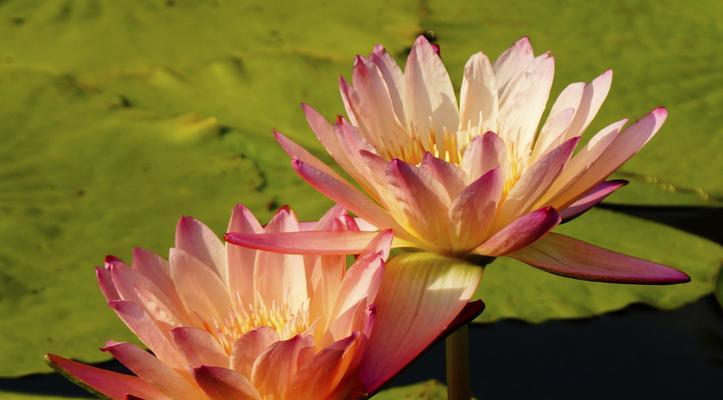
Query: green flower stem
{"x":457,"y":360}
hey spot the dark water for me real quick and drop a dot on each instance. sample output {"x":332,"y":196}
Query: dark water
{"x":637,"y":353}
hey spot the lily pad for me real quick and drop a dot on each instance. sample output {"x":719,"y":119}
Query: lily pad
{"x":429,"y":390}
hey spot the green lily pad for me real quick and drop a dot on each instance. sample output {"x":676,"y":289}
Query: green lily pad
{"x":429,"y":390}
{"x":512,"y":289}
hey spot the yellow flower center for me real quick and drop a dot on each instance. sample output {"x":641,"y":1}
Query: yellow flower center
{"x":246,"y":317}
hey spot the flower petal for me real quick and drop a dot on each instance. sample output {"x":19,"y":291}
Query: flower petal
{"x":152,"y":370}
{"x":535,"y":181}
{"x":345,"y":195}
{"x":224,"y":384}
{"x":281,"y":278}
{"x":593,"y":96}
{"x":484,"y":153}
{"x":420,"y":296}
{"x":306,"y":242}
{"x":563,"y":255}
{"x":474,"y":209}
{"x":520,"y":232}
{"x":296,"y":151}
{"x":140,"y":323}
{"x":198,"y":240}
{"x":432,"y":104}
{"x":241,"y":260}
{"x":250,"y":346}
{"x":622,"y":148}
{"x":512,"y":61}
{"x":112,"y":384}
{"x":200,"y":289}
{"x":393,"y":77}
{"x":478,"y":104}
{"x":273,"y":370}
{"x":199,"y":347}
{"x":591,"y":198}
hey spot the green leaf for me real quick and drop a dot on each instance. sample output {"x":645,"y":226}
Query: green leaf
{"x":429,"y":390}
{"x":512,"y":289}
{"x":719,"y":287}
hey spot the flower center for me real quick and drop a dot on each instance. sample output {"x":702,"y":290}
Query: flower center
{"x":244,"y":318}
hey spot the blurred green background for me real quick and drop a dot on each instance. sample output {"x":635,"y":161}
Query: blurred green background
{"x":117,"y":117}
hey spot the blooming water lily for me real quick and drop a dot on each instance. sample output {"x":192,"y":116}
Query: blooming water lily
{"x":227,"y":322}
{"x":478,"y":176}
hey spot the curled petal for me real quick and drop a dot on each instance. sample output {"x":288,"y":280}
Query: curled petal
{"x":520,"y":232}
{"x":591,"y":198}
{"x":199,"y":347}
{"x":478,"y":103}
{"x":563,"y":255}
{"x":307,"y":242}
{"x":108,"y":383}
{"x":152,"y":370}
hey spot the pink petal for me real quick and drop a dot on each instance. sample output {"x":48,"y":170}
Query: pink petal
{"x":478,"y":102}
{"x":512,"y":61}
{"x":432,"y":104}
{"x":296,"y":151}
{"x":322,"y":375}
{"x":152,"y":370}
{"x":250,"y":346}
{"x":591,"y":198}
{"x":558,"y":195}
{"x":623,"y":147}
{"x":147,"y":331}
{"x":199,"y":287}
{"x":361,"y":281}
{"x":393,"y":77}
{"x":474,"y":210}
{"x":593,"y":96}
{"x":111,"y":384}
{"x":273,"y":370}
{"x":536,"y":180}
{"x":224,"y":384}
{"x":307,"y":242}
{"x":562,"y":255}
{"x":241,"y":260}
{"x":522,"y":103}
{"x":281,"y":278}
{"x":199,"y":347}
{"x":157,"y":270}
{"x":345,"y":195}
{"x":520,"y":232}
{"x":327,"y":136}
{"x":448,"y":176}
{"x":198,"y":240}
{"x":106,"y":284}
{"x":133,"y":286}
{"x":418,"y":290}
{"x":484,"y":153}
{"x":375,"y":111}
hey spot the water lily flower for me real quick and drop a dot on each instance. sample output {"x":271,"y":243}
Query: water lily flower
{"x":478,"y":177}
{"x":226,"y":322}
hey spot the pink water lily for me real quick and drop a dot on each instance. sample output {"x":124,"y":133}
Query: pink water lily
{"x":478,"y":177}
{"x":226,"y":322}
